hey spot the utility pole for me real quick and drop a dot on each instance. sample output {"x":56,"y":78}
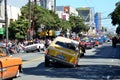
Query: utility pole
{"x":32,"y":25}
{"x":54,"y":5}
{"x":6,"y":22}
{"x":29,"y":28}
{"x":35,"y":2}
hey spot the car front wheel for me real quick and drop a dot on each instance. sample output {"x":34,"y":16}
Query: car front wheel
{"x":17,"y":74}
{"x":39,"y":49}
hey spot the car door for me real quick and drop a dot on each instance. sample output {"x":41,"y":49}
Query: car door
{"x":9,"y":67}
{"x":8,"y":64}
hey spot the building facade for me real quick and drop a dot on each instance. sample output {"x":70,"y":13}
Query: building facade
{"x":98,"y":21}
{"x":48,"y":4}
{"x":65,"y":11}
{"x":87,"y":14}
{"x":12,"y":13}
{"x":2,"y":18}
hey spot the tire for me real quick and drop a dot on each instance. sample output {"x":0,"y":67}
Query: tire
{"x":82,"y":55}
{"x":74,"y":66}
{"x":44,"y":49}
{"x":8,"y":79}
{"x":47,"y":62}
{"x":17,"y":74}
{"x":39,"y":49}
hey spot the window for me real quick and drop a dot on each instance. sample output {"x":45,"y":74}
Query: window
{"x":61,"y":44}
{"x":66,"y":45}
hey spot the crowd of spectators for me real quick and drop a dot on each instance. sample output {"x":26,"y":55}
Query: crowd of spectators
{"x":17,"y":46}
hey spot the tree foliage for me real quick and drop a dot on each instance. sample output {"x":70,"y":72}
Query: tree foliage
{"x":39,"y":16}
{"x":115,"y":16}
{"x":77,"y":24}
{"x":118,"y":30}
{"x":43,"y":16}
{"x":18,"y":28}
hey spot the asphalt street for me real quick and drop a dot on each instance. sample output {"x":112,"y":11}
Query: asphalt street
{"x":102,"y":62}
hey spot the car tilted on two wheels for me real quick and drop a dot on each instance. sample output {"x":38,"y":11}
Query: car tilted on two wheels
{"x":63,"y":50}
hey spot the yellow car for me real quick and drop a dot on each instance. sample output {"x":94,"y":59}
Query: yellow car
{"x":10,"y":67}
{"x":63,"y":50}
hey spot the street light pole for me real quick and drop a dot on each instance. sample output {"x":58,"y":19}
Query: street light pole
{"x":6,"y":21}
{"x":29,"y":19}
{"x":54,"y":5}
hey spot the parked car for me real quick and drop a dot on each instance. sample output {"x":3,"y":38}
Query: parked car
{"x":94,"y":41}
{"x":64,"y":51}
{"x":34,"y":46}
{"x":89,"y":44}
{"x":10,"y":67}
{"x":82,"y":41}
{"x":100,"y":41}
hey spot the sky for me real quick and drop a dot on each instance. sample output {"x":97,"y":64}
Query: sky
{"x":105,"y":7}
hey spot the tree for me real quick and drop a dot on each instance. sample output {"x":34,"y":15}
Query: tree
{"x":46,"y":17}
{"x":72,"y":21}
{"x":118,"y":30}
{"x":42,"y":16}
{"x":18,"y":28}
{"x":39,"y":16}
{"x":55,"y":22}
{"x":115,"y":16}
{"x":77,"y":24}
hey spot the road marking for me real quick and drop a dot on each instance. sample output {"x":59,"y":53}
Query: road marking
{"x":112,"y":60}
{"x":41,"y":58}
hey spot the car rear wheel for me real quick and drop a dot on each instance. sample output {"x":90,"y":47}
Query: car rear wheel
{"x":47,"y":62}
{"x":82,"y":54}
{"x":76,"y":63}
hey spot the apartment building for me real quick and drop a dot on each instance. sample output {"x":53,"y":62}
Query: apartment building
{"x":12,"y":13}
{"x":65,"y":11}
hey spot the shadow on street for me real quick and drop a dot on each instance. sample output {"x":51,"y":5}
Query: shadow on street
{"x":81,"y":71}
